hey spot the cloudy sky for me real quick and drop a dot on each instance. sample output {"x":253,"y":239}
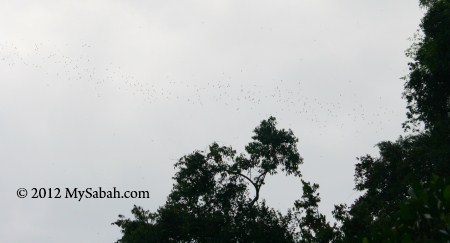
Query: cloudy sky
{"x":112,"y":93}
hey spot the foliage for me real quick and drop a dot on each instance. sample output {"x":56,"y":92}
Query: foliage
{"x":427,"y":89}
{"x":216,"y":195}
{"x":406,"y":189}
{"x":425,"y":216}
{"x":387,"y":211}
{"x":141,"y":229}
{"x":309,"y":225}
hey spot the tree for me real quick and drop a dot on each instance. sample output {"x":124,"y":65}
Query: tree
{"x":216,"y":195}
{"x":423,"y":217}
{"x":406,"y":189}
{"x":309,"y":225}
{"x":386,"y":181}
{"x":427,"y":89}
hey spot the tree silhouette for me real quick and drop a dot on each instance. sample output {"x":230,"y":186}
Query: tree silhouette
{"x":216,"y":196}
{"x":427,"y":89}
{"x":406,"y":189}
{"x":414,"y":160}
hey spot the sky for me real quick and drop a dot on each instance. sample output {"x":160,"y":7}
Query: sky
{"x":112,"y":93}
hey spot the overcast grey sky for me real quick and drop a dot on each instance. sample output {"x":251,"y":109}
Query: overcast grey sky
{"x":111,"y":93}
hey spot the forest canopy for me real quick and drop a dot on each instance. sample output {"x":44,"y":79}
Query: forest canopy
{"x":405,"y":189}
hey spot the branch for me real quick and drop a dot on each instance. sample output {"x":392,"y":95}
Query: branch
{"x":263,"y":176}
{"x":257,"y":187}
{"x":246,"y":177}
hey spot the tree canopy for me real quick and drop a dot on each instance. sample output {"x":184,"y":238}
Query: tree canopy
{"x":216,"y":197}
{"x":427,"y":89}
{"x":405,"y":190}
{"x":389,"y":209}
